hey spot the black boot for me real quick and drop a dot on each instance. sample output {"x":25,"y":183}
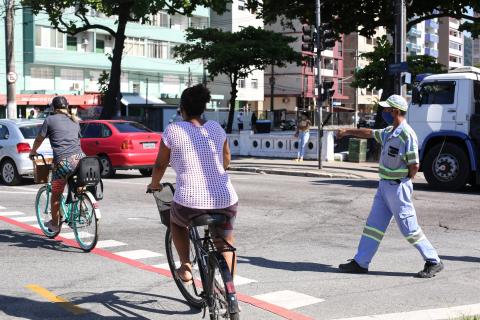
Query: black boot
{"x":352,"y":267}
{"x":430,"y":269}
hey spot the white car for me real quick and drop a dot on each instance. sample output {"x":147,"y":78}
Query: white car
{"x":16,"y":141}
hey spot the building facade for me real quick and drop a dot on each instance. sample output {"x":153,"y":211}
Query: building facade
{"x":476,"y":48}
{"x":451,"y":46}
{"x":51,"y":62}
{"x":250,"y":89}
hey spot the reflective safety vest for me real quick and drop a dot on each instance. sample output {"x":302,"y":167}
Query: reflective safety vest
{"x":399,"y":150}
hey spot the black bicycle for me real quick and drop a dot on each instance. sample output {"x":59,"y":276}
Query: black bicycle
{"x":212,"y":286}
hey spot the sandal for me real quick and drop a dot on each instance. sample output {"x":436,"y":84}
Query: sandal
{"x":184,"y":267}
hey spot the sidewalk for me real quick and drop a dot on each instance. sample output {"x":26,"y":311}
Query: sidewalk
{"x":307,"y":168}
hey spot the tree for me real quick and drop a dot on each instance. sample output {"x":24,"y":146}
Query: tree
{"x":364,"y":16}
{"x":236,"y":54}
{"x":72,"y":17}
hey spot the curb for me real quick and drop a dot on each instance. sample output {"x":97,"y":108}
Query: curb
{"x":296,"y":173}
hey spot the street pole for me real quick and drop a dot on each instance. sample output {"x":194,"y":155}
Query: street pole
{"x":356,"y":91}
{"x":400,"y":41}
{"x":11,"y":77}
{"x":319,"y":85}
{"x":204,"y":80}
{"x":189,"y":80}
{"x":272,"y":88}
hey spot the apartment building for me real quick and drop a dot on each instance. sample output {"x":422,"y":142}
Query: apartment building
{"x":250,"y":89}
{"x":476,"y":48}
{"x":51,"y":62}
{"x":451,"y":45}
{"x":354,"y":46}
{"x":293,"y":86}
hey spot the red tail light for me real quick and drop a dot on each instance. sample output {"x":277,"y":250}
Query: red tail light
{"x":23,"y":147}
{"x":127,"y":144}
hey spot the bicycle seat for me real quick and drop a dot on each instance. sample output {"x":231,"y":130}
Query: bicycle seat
{"x":209,"y":219}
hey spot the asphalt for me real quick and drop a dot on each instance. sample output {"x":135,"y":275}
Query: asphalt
{"x":308,"y":168}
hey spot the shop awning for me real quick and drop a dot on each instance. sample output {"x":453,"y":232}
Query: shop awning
{"x":131,"y":99}
{"x":82,"y":101}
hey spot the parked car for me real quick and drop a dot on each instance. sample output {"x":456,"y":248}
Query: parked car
{"x":120,"y":145}
{"x":16,"y":141}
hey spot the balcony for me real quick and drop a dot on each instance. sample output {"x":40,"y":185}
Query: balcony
{"x":414,"y":32}
{"x":429,"y":37}
{"x":431,"y":52}
{"x":431,"y":24}
{"x":413,"y":47}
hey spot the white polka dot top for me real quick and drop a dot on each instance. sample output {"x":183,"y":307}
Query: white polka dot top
{"x":197,"y":158}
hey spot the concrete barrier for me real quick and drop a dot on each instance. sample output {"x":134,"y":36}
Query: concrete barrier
{"x":279,"y":145}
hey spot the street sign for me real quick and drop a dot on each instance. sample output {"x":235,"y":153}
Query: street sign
{"x":397,"y":68}
{"x":12,"y":77}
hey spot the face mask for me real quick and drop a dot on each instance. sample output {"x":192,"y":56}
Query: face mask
{"x":388,"y":117}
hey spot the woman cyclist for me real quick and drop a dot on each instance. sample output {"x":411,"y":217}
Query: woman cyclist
{"x":198,"y":152}
{"x":63,"y":131}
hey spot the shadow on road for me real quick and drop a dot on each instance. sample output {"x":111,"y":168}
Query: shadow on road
{"x":123,"y":304}
{"x":29,"y":240}
{"x":461,"y":258}
{"x":308,"y":266}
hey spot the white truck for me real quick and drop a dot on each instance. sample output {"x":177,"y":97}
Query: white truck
{"x":445,"y":114}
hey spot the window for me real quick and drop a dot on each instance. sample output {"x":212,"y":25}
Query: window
{"x":161,"y":19}
{"x":106,"y":132}
{"x":241,"y":83}
{"x":369,"y":41}
{"x":438,"y":93}
{"x":42,"y":73}
{"x":136,"y":87}
{"x":455,"y":46}
{"x":4,"y":134}
{"x":71,"y":43}
{"x":340,"y":86}
{"x":241,"y":4}
{"x":135,"y":47}
{"x":454,"y":33}
{"x":71,"y":74}
{"x":48,"y":37}
{"x":158,"y":49}
{"x":100,"y":46}
{"x":30,"y":132}
{"x":179,"y":22}
{"x":455,"y":59}
{"x":126,"y":127}
{"x":340,"y":48}
{"x":199,"y":22}
{"x":255,"y":83}
{"x":91,"y":130}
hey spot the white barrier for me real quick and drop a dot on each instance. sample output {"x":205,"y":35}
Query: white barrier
{"x":279,"y":145}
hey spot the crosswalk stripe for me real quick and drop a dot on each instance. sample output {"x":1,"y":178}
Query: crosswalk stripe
{"x":11,"y":213}
{"x":239,"y":280}
{"x":2,"y":208}
{"x":167,"y":267}
{"x":109,"y":244}
{"x":138,"y":254}
{"x":25,"y":219}
{"x":71,"y":235}
{"x":288,"y":299}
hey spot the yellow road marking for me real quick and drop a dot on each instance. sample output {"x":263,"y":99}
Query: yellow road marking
{"x":65,"y":304}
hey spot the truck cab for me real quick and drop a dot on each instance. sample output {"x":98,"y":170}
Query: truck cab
{"x":445,"y":114}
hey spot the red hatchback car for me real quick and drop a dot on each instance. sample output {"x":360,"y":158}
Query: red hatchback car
{"x":120,"y":145}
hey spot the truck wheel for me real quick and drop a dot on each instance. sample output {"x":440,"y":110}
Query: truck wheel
{"x":446,"y":168}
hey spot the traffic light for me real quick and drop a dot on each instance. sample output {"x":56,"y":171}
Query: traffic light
{"x":327,"y":92}
{"x":327,"y":37}
{"x":308,"y":38}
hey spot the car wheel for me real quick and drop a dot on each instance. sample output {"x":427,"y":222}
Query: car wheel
{"x":146,"y":172}
{"x":107,"y":170}
{"x":9,"y":173}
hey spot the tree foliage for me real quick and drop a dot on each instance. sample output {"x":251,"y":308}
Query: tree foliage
{"x":72,"y":17}
{"x":236,"y":54}
{"x":364,"y":16}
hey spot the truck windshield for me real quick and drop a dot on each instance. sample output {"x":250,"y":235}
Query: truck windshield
{"x":438,"y":92}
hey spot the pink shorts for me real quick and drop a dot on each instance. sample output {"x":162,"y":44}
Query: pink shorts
{"x":182,"y":216}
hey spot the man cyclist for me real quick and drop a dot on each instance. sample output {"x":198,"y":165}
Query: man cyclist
{"x":63,"y":131}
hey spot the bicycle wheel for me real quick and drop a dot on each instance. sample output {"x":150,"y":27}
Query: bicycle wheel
{"x":223,"y":303}
{"x":191,"y":292}
{"x":43,"y":210}
{"x":85,"y":223}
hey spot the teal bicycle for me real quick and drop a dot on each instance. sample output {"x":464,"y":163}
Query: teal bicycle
{"x":79,"y":210}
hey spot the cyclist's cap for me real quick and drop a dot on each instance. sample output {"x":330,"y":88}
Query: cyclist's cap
{"x":60,"y":102}
{"x":395,"y":101}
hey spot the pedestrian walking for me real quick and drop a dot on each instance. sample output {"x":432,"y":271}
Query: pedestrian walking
{"x":399,"y":163}
{"x":240,"y":121}
{"x":303,"y":134}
